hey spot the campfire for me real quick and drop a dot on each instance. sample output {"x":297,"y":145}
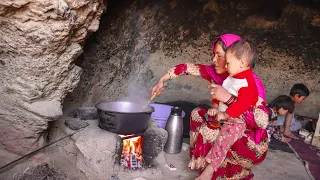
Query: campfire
{"x":131,"y":156}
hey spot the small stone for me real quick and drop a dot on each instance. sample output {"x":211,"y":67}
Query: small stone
{"x":139,"y":178}
{"x":87,"y":113}
{"x":84,"y":113}
{"x":185,"y":146}
{"x":73,"y":113}
{"x":75,"y":123}
{"x":153,"y":123}
{"x":114,"y":177}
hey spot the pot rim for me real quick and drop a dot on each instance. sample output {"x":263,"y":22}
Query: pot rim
{"x":142,"y":112}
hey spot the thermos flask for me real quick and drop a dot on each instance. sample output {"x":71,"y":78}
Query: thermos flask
{"x":174,"y":127}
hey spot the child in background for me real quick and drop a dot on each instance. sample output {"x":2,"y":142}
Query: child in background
{"x":280,"y":106}
{"x":240,"y":57}
{"x":288,"y":122}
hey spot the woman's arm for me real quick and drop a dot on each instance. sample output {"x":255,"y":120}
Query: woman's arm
{"x":189,"y":69}
{"x":181,"y":69}
{"x":206,"y":72}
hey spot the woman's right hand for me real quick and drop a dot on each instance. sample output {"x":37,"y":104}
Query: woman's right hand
{"x":158,"y":88}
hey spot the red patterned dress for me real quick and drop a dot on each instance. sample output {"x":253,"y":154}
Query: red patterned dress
{"x":247,"y":151}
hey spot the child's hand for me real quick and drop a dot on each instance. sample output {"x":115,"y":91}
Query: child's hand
{"x":212,"y":111}
{"x":222,"y":116}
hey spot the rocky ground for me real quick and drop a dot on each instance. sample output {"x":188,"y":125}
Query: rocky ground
{"x":278,"y":165}
{"x":71,"y":159}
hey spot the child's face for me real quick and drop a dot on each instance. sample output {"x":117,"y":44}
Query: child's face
{"x":298,"y":99}
{"x":282,"y":112}
{"x":233,"y":65}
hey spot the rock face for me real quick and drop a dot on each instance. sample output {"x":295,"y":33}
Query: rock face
{"x":98,"y":152}
{"x":39,"y":42}
{"x":154,"y":140}
{"x":138,"y":41}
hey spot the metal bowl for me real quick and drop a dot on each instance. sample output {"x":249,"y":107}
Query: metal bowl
{"x":123,"y":117}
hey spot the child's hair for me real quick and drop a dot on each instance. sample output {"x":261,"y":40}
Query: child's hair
{"x":284,"y":102}
{"x":299,"y":89}
{"x":244,"y":49}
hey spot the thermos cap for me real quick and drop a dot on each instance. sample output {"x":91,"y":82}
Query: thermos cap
{"x":176,"y":111}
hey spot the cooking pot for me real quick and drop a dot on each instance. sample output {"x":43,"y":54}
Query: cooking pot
{"x":123,"y":117}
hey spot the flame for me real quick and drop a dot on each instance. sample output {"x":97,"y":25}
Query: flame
{"x":131,"y":156}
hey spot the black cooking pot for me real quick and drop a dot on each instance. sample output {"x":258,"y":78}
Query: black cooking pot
{"x":123,"y":117}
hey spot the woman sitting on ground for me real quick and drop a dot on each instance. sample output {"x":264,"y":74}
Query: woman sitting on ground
{"x":251,"y":148}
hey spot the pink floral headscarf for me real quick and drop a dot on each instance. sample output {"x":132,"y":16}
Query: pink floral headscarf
{"x":227,"y":39}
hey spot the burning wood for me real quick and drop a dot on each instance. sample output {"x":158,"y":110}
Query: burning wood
{"x":131,"y":156}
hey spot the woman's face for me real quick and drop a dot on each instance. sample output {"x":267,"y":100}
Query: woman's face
{"x":219,"y":60}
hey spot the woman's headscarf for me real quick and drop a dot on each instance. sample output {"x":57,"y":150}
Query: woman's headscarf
{"x":227,"y":39}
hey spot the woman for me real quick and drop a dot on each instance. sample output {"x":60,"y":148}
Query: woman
{"x":250,"y":149}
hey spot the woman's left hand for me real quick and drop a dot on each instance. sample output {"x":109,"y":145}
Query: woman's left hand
{"x":219,"y":93}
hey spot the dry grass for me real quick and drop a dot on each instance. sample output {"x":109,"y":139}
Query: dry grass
{"x":41,"y":172}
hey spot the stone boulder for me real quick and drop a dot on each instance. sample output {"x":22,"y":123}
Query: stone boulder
{"x":154,"y":140}
{"x":39,"y":42}
{"x":84,"y":113}
{"x":98,"y":153}
{"x":75,"y":123}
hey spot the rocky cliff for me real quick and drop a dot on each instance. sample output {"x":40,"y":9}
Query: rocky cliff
{"x":39,"y":42}
{"x":138,"y":41}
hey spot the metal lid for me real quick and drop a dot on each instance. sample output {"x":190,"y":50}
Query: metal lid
{"x":176,"y":111}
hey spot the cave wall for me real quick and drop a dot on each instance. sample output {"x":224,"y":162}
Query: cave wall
{"x":39,"y":41}
{"x":138,"y":41}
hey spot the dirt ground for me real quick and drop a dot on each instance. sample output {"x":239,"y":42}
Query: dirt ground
{"x":278,"y":165}
{"x":58,"y":162}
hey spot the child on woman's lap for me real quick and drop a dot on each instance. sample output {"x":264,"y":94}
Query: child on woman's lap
{"x":240,"y":58}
